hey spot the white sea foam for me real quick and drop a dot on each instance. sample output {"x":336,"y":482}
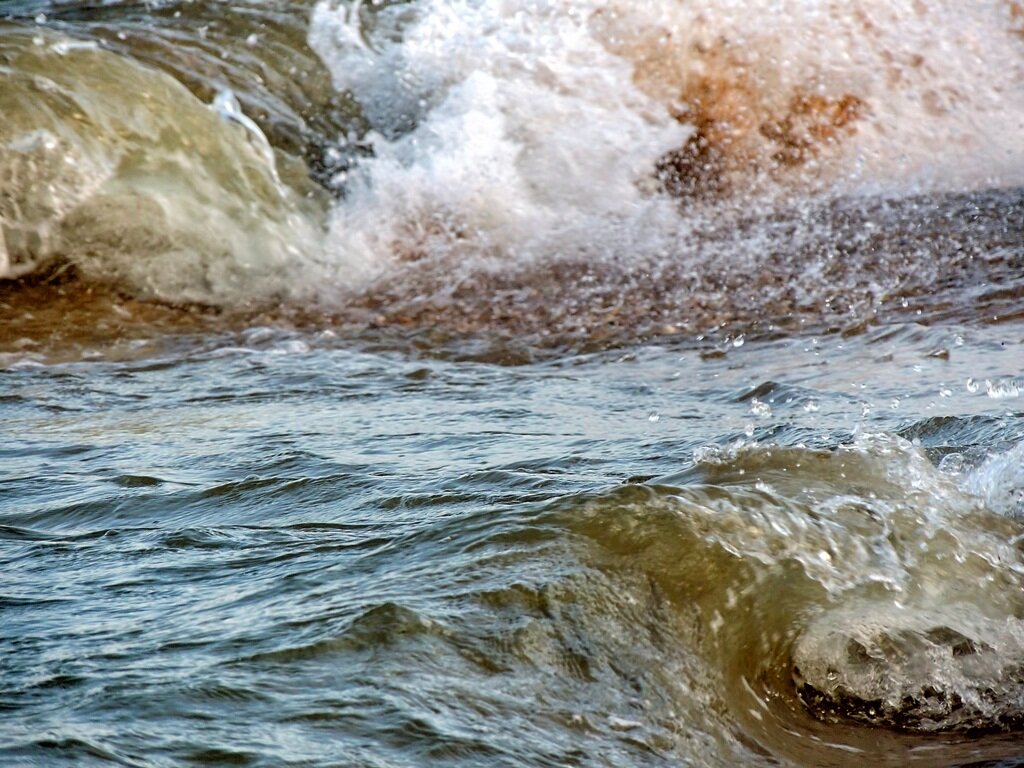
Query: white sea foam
{"x":526,"y":133}
{"x":999,"y":481}
{"x":523,"y":127}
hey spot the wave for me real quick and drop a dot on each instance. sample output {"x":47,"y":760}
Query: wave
{"x":535,"y":128}
{"x":118,"y":171}
{"x":762,"y":606}
{"x":828,"y":589}
{"x":534,"y":166}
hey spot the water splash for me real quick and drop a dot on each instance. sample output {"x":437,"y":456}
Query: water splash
{"x":226,"y":104}
{"x":896,"y":590}
{"x":533,"y":128}
{"x":584,"y":172}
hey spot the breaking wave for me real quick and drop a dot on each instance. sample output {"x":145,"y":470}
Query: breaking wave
{"x":597,"y":169}
{"x":847,"y":587}
{"x":538,"y":129}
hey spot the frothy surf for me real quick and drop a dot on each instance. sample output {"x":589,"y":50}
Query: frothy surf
{"x":516,"y":146}
{"x":525,"y":130}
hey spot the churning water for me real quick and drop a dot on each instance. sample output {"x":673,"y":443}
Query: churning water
{"x":511,"y":383}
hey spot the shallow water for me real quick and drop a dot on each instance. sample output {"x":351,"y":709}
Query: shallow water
{"x":424,"y":383}
{"x":280,"y":549}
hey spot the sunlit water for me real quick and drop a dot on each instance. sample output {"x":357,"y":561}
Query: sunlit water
{"x":517,"y":384}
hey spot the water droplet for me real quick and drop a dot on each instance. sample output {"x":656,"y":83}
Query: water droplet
{"x":716,"y":623}
{"x":812,"y":406}
{"x":760,"y":409}
{"x":40,"y":18}
{"x":972,"y":385}
{"x":653,"y":417}
{"x":739,"y":341}
{"x":952,"y":464}
{"x":945,"y":392}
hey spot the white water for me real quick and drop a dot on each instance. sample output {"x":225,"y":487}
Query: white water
{"x":532,"y":127}
{"x":507,"y":132}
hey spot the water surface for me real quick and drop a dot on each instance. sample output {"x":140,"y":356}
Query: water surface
{"x":514,"y":384}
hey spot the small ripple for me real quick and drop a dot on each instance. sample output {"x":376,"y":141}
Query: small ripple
{"x":58,"y":682}
{"x":8,"y":601}
{"x":18,"y":533}
{"x":200,"y":538}
{"x":217,"y":692}
{"x":137,"y":481}
{"x":378,"y":627}
{"x":75,"y":748}
{"x":222,"y":756}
